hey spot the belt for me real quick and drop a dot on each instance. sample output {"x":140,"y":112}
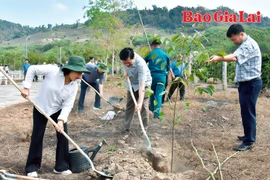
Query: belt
{"x":249,"y":81}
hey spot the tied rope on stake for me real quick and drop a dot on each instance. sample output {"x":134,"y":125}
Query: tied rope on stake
{"x":61,"y":131}
{"x":139,"y":114}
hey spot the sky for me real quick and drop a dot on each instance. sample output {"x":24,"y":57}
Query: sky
{"x":43,"y":12}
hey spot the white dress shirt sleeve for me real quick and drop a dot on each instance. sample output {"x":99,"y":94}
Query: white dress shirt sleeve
{"x":67,"y":105}
{"x":36,"y":70}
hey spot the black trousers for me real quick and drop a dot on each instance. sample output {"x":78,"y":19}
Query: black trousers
{"x":35,"y":152}
{"x":181,"y":90}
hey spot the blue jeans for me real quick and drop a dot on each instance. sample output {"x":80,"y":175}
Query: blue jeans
{"x":84,"y":86}
{"x":248,"y":95}
{"x":158,"y":86}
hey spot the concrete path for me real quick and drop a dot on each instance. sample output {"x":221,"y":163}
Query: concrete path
{"x":9,"y":94}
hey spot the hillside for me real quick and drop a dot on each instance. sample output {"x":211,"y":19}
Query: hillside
{"x":157,"y":17}
{"x":41,"y":38}
{"x":11,"y":30}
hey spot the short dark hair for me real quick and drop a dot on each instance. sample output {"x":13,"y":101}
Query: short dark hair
{"x":235,"y":29}
{"x":91,"y":57}
{"x":66,"y":71}
{"x":126,"y":53}
{"x":155,"y":42}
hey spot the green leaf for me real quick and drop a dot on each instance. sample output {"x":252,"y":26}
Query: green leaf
{"x":162,"y":40}
{"x":209,"y":91}
{"x":187,"y":104}
{"x":148,"y":92}
{"x":155,"y":103}
{"x":170,"y":50}
{"x":199,"y":90}
{"x":191,"y":78}
{"x":178,"y":63}
{"x":221,"y":53}
{"x":163,"y":65}
{"x":184,"y":83}
{"x":112,"y":148}
{"x":178,"y":118}
{"x":211,"y":87}
{"x":186,"y":72}
{"x":155,"y":36}
{"x":119,"y":84}
{"x":176,"y":79}
{"x":175,"y":37}
{"x":161,"y":116}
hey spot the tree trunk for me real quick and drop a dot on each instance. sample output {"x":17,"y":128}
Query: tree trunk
{"x":189,"y":63}
{"x":113,"y":63}
{"x":224,"y":75}
{"x":106,"y":61}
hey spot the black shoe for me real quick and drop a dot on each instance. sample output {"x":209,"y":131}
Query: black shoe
{"x":243,"y":147}
{"x":241,"y":138}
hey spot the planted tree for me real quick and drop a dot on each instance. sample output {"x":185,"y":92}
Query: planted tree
{"x":194,"y":55}
{"x":112,"y":34}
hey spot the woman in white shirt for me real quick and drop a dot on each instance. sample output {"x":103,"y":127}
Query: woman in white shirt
{"x":56,"y":98}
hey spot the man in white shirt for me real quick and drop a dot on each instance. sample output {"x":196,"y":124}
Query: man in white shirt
{"x":137,"y":70}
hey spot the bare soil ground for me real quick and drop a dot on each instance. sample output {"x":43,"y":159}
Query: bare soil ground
{"x":209,"y":120}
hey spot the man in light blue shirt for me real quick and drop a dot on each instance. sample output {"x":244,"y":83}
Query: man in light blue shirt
{"x":248,"y":60}
{"x":178,"y":67}
{"x":25,"y":67}
{"x":136,"y":69}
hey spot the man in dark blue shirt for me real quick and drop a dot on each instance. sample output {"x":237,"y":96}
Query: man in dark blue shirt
{"x":97,"y":72}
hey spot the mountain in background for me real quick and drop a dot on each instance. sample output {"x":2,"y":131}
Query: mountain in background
{"x":159,"y":18}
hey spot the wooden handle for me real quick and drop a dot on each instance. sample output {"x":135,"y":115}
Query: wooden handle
{"x":139,"y":114}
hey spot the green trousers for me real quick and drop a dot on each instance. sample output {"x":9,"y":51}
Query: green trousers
{"x":158,"y":86}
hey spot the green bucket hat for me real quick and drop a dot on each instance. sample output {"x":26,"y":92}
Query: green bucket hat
{"x":102,"y":67}
{"x":76,"y":63}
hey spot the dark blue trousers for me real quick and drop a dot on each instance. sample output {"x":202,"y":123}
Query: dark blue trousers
{"x":248,"y":95}
{"x":84,"y":86}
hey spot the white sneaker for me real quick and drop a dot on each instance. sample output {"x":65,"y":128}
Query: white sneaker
{"x":66,"y":172}
{"x":32,"y":174}
{"x":97,"y":108}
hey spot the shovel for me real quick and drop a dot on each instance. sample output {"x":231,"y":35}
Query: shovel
{"x":139,"y":114}
{"x":5,"y":175}
{"x":114,"y":106}
{"x":52,"y":121}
